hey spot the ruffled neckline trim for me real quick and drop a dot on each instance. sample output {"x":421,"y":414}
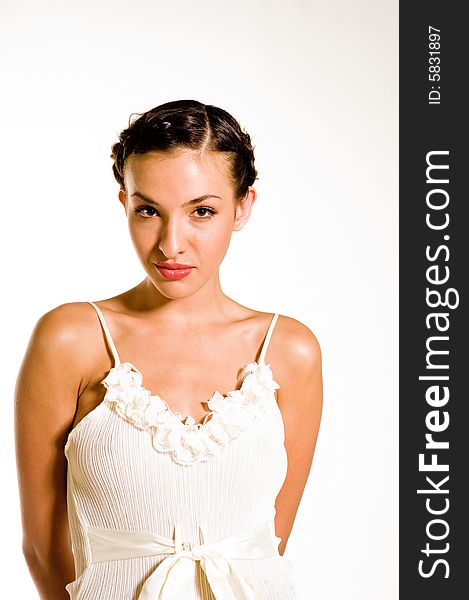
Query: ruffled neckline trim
{"x":187,"y":441}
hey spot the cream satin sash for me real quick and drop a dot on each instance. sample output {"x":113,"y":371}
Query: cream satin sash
{"x":173,"y":578}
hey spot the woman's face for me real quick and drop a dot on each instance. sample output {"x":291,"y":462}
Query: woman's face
{"x":181,"y":209}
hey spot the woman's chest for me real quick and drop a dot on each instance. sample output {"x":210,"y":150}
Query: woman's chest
{"x":109,"y":453}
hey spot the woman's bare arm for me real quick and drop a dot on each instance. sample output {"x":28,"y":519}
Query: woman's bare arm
{"x":46,"y":394}
{"x":300,"y":401}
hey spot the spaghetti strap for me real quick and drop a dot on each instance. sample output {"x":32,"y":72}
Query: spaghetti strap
{"x":107,"y":333}
{"x":267,"y":338}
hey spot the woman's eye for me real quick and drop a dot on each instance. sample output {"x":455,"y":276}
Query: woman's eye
{"x":207,"y":213}
{"x":210,"y":211}
{"x":140,"y":210}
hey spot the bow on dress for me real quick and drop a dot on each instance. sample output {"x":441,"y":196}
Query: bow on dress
{"x":174,"y":576}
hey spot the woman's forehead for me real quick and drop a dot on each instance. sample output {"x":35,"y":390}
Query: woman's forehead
{"x":181,"y":173}
{"x":187,"y":164}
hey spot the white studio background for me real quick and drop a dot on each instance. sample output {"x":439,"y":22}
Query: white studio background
{"x":315,"y":84}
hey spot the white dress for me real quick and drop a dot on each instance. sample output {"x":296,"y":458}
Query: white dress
{"x":161,"y":508}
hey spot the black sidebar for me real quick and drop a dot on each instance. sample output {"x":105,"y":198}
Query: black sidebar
{"x":434,"y":271}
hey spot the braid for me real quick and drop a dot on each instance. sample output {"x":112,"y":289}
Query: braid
{"x":188,"y":124}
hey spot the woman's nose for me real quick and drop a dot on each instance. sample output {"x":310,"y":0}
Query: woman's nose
{"x":171,"y":238}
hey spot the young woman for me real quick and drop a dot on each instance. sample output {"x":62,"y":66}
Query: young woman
{"x":137,"y":480}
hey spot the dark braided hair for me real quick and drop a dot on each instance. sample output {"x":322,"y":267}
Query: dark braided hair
{"x":192,"y":125}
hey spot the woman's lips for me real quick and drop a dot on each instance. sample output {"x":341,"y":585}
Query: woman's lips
{"x":173,"y":271}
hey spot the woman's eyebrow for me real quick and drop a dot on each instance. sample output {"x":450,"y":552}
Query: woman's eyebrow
{"x":194,"y":201}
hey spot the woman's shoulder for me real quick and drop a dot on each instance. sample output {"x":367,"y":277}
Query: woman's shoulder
{"x":293,"y":344}
{"x":295,"y":347}
{"x":295,"y":336}
{"x":60,"y":352}
{"x":68,"y":329}
{"x":66,"y":320}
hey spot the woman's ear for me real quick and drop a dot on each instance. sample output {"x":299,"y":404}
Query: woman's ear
{"x":123,"y":199}
{"x":244,"y":208}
